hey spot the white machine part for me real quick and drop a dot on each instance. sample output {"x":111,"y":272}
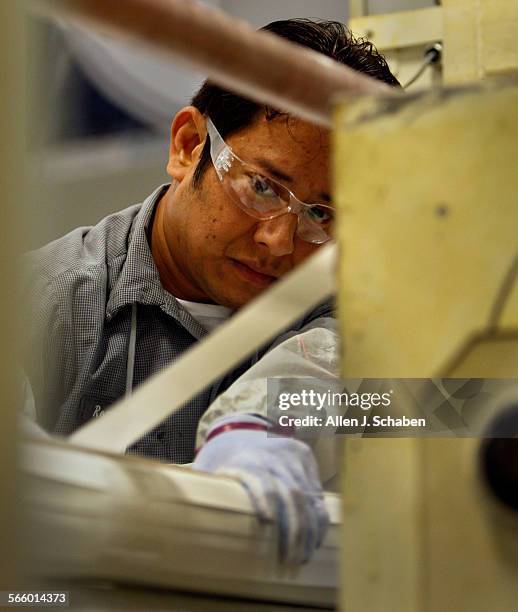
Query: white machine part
{"x":99,"y":516}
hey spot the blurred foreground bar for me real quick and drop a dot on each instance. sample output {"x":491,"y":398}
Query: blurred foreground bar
{"x":12,"y":76}
{"x":426,"y":190}
{"x":259,"y":65}
{"x":426,"y":193}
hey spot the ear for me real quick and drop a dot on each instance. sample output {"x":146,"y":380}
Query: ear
{"x":188,"y":133}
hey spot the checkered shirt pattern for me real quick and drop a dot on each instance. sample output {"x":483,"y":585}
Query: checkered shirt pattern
{"x":76,"y":298}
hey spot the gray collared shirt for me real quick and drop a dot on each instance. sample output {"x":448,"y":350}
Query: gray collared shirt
{"x":77,"y":294}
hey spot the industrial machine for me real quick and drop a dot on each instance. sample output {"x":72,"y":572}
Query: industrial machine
{"x":428,"y":287}
{"x":426,"y":187}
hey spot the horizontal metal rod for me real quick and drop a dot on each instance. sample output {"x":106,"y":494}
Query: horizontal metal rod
{"x":259,"y":65}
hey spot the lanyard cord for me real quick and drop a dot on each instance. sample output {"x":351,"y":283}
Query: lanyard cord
{"x":130,"y":366}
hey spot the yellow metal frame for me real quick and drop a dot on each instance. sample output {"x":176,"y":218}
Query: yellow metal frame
{"x":426,"y":191}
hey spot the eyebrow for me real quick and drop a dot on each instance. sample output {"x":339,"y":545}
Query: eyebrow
{"x":273,"y":170}
{"x":279,"y":174}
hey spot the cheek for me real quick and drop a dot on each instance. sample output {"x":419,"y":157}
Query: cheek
{"x":215,"y":223}
{"x":303,"y":250}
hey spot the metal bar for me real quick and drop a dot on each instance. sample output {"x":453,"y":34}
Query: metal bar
{"x":12,"y":75}
{"x":259,"y":65}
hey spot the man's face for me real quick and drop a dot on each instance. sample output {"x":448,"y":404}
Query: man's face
{"x":207,"y":249}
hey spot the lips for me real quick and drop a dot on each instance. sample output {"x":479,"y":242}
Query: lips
{"x":253,"y":274}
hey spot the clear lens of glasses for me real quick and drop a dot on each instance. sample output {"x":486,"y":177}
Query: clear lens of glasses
{"x":264,"y":198}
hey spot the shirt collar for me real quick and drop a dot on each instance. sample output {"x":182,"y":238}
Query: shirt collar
{"x":139,"y":280}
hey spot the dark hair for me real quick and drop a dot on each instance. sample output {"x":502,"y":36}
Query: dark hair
{"x":231,"y":112}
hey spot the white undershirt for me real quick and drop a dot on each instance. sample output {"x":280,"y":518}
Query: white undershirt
{"x":209,"y":315}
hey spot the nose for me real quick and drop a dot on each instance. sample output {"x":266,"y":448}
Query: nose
{"x":278,"y":234}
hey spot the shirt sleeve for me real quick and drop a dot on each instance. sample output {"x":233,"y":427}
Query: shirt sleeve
{"x":42,"y":351}
{"x":311,"y":352}
{"x":27,"y":418}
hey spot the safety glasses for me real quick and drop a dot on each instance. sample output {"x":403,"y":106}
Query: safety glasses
{"x":262,"y":197}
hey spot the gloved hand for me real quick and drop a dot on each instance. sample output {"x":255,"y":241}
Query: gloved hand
{"x":281,"y":478}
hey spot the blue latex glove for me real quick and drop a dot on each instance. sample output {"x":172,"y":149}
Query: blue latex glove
{"x":281,"y":478}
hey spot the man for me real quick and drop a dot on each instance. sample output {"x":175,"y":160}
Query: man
{"x":115,"y":303}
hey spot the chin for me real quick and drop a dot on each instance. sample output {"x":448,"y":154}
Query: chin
{"x":236,"y":299}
